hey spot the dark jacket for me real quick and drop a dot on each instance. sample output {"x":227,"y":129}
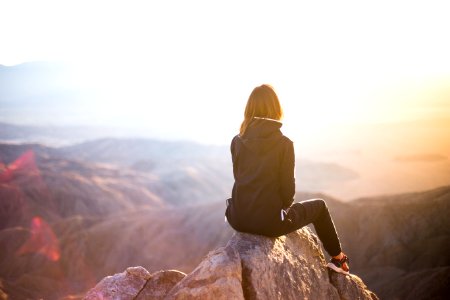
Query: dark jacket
{"x":263,"y":168}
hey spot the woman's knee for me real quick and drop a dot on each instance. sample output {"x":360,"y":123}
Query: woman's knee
{"x":318,"y":202}
{"x":321,"y":201}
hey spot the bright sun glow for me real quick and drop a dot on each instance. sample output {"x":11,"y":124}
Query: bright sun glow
{"x":184,"y":64}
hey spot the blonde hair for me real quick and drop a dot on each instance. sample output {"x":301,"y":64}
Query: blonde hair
{"x":263,"y":103}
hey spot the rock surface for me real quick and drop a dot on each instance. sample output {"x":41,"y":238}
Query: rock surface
{"x":350,"y":287}
{"x":219,"y":276}
{"x":136,"y":283}
{"x":159,"y":284}
{"x":248,"y":267}
{"x":125,"y":285}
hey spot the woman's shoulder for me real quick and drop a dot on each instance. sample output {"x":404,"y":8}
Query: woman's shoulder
{"x":234,"y":142}
{"x":237,"y":136}
{"x":235,"y":139}
{"x":286,"y":140}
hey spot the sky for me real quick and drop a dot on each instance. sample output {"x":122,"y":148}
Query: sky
{"x":186,"y":68}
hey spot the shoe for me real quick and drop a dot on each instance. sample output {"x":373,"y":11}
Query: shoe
{"x":338,"y":265}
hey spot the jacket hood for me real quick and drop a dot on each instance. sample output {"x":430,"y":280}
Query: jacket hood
{"x":262,"y":135}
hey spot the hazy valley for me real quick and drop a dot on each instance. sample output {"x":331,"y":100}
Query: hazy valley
{"x":75,"y":214}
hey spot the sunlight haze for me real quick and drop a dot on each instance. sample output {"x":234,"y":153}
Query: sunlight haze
{"x":185,"y":69}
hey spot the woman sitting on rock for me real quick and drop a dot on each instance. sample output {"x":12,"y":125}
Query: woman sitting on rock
{"x":264,"y":187}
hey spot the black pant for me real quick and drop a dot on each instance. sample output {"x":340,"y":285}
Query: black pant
{"x":314,"y":211}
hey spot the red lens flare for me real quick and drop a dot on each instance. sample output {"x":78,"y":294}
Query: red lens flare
{"x":42,"y":240}
{"x":25,"y":163}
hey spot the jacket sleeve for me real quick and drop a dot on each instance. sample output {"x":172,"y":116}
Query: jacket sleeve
{"x":287,"y":175}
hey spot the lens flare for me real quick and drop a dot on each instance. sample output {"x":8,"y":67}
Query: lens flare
{"x":25,"y":163}
{"x":42,"y":240}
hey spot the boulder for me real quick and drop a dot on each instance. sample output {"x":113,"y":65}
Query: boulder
{"x":219,"y":276}
{"x":248,"y":267}
{"x":125,"y":285}
{"x":159,"y":284}
{"x":350,"y":287}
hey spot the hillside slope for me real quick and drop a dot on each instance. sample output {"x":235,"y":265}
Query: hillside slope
{"x":395,"y":240}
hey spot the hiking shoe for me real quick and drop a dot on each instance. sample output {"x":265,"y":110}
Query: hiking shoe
{"x":338,"y":265}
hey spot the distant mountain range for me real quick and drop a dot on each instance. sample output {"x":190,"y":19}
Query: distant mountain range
{"x":70,"y":216}
{"x":206,"y":169}
{"x":55,"y":135}
{"x":382,"y":159}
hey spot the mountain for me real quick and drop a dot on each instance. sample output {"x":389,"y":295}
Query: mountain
{"x":190,"y":172}
{"x":61,"y":218}
{"x":170,"y":238}
{"x":55,"y":136}
{"x":67,"y":221}
{"x":346,"y":162}
{"x":91,"y":248}
{"x":399,"y":244}
{"x":205,"y":169}
{"x":36,"y":181}
{"x":187,"y":172}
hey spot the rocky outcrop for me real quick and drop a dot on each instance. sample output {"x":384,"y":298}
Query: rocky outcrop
{"x":248,"y":267}
{"x":159,"y":284}
{"x":350,"y":287}
{"x":136,"y":283}
{"x":125,"y":285}
{"x":219,"y":276}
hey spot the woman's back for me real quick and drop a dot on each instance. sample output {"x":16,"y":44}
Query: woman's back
{"x":262,"y":158}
